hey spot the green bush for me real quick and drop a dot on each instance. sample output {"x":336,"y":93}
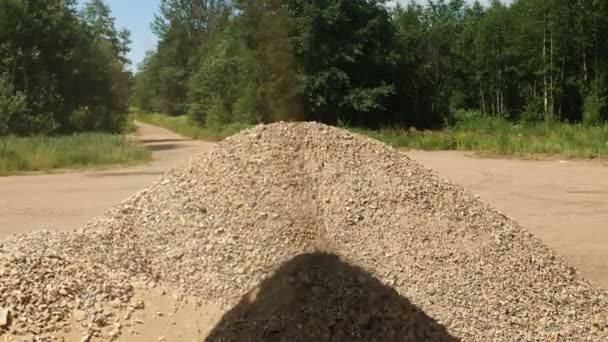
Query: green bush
{"x":533,"y":112}
{"x":456,"y":102}
{"x":12,"y":105}
{"x":246,"y":107}
{"x":220,"y":77}
{"x":475,"y":120}
{"x":217,"y":114}
{"x":595,"y":106}
{"x":466,"y":117}
{"x":68,"y":68}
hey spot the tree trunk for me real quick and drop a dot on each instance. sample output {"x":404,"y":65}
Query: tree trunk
{"x":583,"y":48}
{"x":497,"y":102}
{"x":595,"y":52}
{"x":545,"y":65}
{"x":585,"y":72}
{"x":562,"y":85}
{"x":500,"y":107}
{"x":502,"y":102}
{"x":483,"y":102}
{"x":551,"y":82}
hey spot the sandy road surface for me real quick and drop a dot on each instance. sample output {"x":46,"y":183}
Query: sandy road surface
{"x":563,"y":203}
{"x":67,"y":201}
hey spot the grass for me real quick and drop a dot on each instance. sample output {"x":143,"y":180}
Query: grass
{"x":505,"y":139}
{"x":490,"y":136}
{"x":184,"y":126}
{"x":43,"y":154}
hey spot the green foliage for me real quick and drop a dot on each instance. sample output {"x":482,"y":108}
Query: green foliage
{"x":26,"y":154}
{"x":595,"y":106}
{"x":462,"y":116}
{"x":533,"y":112}
{"x":185,"y":126}
{"x":246,"y":106}
{"x":268,"y":62}
{"x":457,"y":102}
{"x":367,"y":64}
{"x":216,"y":114}
{"x":220,"y":78}
{"x":343,"y":49}
{"x":264,"y":26}
{"x":12,"y":106}
{"x":563,"y":140}
{"x":145,"y":90}
{"x":184,"y":28}
{"x":66,"y":69}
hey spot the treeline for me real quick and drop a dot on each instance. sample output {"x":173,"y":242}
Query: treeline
{"x":362,"y":62}
{"x":62,"y":70}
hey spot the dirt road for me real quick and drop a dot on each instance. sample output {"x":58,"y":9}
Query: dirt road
{"x":67,"y":201}
{"x":563,"y":203}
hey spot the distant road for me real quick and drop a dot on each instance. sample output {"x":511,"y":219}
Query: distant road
{"x":67,"y":201}
{"x":563,"y":203}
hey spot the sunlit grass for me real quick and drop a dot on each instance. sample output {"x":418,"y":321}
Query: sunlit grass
{"x":183,"y":125}
{"x":24,"y":154}
{"x":494,"y":136}
{"x":566,"y":140}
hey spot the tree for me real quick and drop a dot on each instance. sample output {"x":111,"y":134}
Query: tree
{"x":343,"y":50}
{"x":67,"y":73}
{"x":414,"y":88}
{"x":98,"y":16}
{"x":361,"y":62}
{"x":224,"y":74}
{"x":273,"y":69}
{"x":181,"y":26}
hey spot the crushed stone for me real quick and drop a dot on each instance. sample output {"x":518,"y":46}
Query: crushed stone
{"x":357,"y":241}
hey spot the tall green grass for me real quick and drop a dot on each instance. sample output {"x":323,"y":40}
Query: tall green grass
{"x":470,"y":132}
{"x":185,"y":126}
{"x":503,"y":138}
{"x":23,"y":154}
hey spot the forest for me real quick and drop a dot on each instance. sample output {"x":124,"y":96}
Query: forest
{"x":65,"y":87}
{"x":366,"y":63}
{"x":62,"y":69}
{"x":443,"y":74}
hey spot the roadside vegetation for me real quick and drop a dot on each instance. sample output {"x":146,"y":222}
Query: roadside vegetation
{"x":496,"y":137}
{"x":526,"y":78}
{"x":187,"y":127}
{"x":64,"y":87}
{"x":502,"y":138}
{"x":44,"y":154}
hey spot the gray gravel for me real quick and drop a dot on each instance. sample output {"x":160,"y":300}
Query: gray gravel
{"x":222,"y":223}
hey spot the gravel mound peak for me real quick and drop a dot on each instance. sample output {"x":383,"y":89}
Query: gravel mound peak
{"x":307,"y":232}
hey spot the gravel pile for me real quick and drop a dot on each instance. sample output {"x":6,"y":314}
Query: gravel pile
{"x":328,"y":234}
{"x":45,"y":284}
{"x":318,"y":297}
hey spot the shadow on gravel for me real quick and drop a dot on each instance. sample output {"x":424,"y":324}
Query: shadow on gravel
{"x":318,"y":297}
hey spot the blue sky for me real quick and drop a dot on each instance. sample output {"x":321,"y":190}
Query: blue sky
{"x":136,"y":16}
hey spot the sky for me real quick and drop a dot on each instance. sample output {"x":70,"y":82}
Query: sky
{"x":136,"y":16}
